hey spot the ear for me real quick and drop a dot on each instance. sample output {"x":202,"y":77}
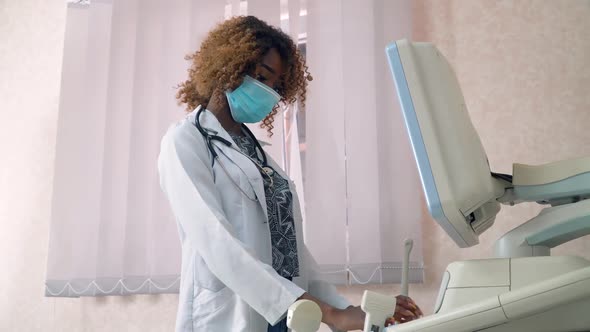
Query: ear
{"x":218,"y":98}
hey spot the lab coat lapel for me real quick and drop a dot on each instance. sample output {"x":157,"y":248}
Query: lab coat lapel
{"x":208,"y":120}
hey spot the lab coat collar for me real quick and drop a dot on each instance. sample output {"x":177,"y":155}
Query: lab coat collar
{"x":209,"y":121}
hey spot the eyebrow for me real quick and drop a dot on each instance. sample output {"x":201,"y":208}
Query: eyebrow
{"x":268,"y":68}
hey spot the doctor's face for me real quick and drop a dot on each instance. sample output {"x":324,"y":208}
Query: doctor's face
{"x":270,"y":70}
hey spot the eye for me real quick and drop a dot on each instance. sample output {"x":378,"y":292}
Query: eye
{"x":278,"y":87}
{"x":261,"y":78}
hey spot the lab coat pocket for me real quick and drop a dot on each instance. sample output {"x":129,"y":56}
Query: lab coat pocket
{"x":204,"y":278}
{"x":207,"y":302}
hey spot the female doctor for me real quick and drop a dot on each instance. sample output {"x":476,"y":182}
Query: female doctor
{"x":243,"y":257}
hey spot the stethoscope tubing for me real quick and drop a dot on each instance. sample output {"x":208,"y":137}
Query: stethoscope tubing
{"x":211,"y":136}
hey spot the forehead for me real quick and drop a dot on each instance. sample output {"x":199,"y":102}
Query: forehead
{"x":272,"y":59}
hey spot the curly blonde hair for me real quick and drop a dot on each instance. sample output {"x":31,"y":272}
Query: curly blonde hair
{"x":233,"y":49}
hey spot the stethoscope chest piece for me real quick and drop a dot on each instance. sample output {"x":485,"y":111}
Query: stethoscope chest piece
{"x":268,"y":170}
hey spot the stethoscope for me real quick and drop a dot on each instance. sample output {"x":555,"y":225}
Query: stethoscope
{"x":211,"y":136}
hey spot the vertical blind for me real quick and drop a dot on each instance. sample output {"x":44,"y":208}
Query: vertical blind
{"x":112,"y":232}
{"x":363,"y":195}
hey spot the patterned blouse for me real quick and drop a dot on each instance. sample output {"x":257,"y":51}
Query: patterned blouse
{"x":279,"y":203}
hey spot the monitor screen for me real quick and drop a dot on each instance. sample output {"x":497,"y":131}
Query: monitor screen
{"x":459,"y":188}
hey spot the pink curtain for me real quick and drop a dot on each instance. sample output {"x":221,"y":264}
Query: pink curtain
{"x":112,"y":231}
{"x":363,"y":193}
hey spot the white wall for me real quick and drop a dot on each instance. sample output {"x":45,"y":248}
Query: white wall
{"x":523,"y":66}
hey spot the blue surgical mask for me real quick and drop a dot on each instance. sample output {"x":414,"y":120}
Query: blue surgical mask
{"x":252,"y":101}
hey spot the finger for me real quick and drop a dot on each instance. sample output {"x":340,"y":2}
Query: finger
{"x":390,"y":321}
{"x":409,"y":301}
{"x":406,"y":299}
{"x":402,"y":319}
{"x":416,"y":308}
{"x":402,"y":298}
{"x":419,"y":312}
{"x":405,"y":313}
{"x":405,"y":306}
{"x":415,"y":312}
{"x":409,"y":304}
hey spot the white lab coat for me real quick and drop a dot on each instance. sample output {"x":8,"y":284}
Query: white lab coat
{"x":227,"y":280}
